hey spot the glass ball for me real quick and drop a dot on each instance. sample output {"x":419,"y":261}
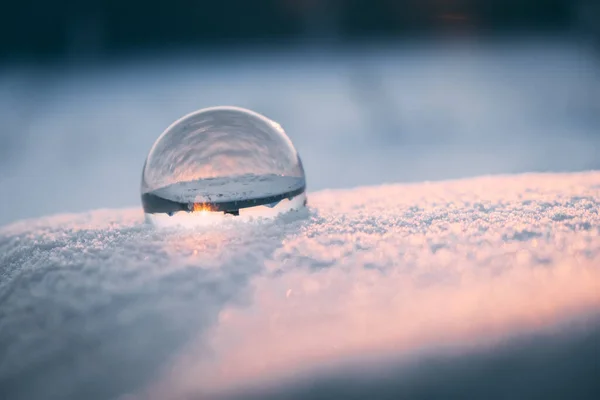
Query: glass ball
{"x":222,"y":159}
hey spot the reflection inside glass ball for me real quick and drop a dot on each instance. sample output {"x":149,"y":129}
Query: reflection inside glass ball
{"x":223,"y":160}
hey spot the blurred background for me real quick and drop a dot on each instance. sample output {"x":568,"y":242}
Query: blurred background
{"x":370,"y":91}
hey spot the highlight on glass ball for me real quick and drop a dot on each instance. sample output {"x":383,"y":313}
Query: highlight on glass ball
{"x":221,"y":161}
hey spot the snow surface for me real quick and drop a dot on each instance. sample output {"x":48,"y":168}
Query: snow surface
{"x":488,"y":287}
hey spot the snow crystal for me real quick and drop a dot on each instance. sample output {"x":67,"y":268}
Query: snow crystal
{"x":99,"y":305}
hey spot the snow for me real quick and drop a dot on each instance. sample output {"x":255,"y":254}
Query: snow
{"x":383,"y":289}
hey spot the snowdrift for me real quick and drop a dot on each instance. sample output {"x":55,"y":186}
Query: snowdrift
{"x":487,"y":287}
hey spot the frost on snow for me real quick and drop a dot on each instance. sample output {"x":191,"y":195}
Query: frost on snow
{"x":375,"y":284}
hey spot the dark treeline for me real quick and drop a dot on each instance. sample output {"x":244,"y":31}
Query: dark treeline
{"x":40,"y":28}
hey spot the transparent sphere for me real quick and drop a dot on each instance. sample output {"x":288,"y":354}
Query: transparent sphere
{"x":221,"y":159}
